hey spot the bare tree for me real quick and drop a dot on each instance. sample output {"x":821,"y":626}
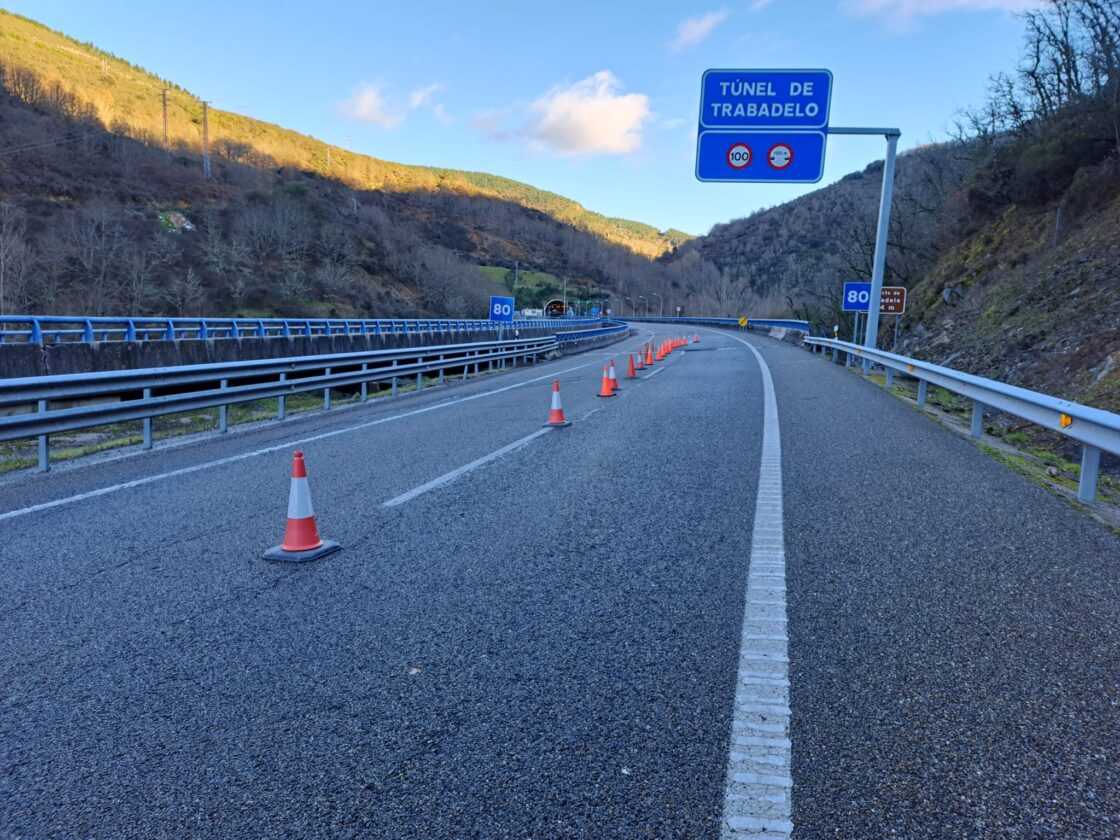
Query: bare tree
{"x":13,"y":230}
{"x":185,"y":293}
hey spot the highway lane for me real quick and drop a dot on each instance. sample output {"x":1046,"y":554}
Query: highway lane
{"x":548,"y":645}
{"x":544,"y":647}
{"x":954,"y":629}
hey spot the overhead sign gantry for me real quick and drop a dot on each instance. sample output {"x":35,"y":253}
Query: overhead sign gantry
{"x":771,"y":126}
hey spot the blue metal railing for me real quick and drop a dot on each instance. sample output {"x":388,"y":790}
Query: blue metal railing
{"x":55,"y":329}
{"x":608,"y":328}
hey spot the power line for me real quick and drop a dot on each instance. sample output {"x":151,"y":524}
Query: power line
{"x":205,"y":143}
{"x":56,"y":142}
{"x":166,"y":147}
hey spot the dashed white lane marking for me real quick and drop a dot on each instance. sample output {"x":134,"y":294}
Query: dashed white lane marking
{"x":232,"y":459}
{"x":463,"y":470}
{"x":756,"y":802}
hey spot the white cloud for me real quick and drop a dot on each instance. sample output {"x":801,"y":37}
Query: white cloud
{"x":692,"y":31}
{"x":674,"y":123}
{"x":903,"y":12}
{"x":422,"y":96}
{"x":367,"y":104}
{"x":590,"y":117}
{"x":759,"y":5}
{"x":440,"y":114}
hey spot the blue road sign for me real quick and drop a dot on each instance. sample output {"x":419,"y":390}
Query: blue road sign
{"x":764,"y":99}
{"x":763,"y":125}
{"x":501,"y":309}
{"x":857,"y":296}
{"x":790,"y":157}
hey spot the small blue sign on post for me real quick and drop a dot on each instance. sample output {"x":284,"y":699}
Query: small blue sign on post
{"x":761,"y":126}
{"x":501,"y":309}
{"x":856,"y":298}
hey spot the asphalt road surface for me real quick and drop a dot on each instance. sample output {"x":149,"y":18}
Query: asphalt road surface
{"x":556,"y":641}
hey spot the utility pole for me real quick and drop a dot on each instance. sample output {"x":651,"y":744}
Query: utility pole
{"x":166,"y":145}
{"x":205,"y":143}
{"x":516,"y":275}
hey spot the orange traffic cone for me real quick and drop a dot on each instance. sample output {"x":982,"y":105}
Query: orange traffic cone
{"x":605,"y":389}
{"x":301,"y":537}
{"x":696,"y":338}
{"x":613,"y":376}
{"x":630,"y":370}
{"x":556,"y":414}
{"x":641,"y":356}
{"x":649,"y":354}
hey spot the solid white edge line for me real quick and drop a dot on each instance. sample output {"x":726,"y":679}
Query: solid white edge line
{"x":463,"y":470}
{"x":267,"y":450}
{"x":758,"y":793}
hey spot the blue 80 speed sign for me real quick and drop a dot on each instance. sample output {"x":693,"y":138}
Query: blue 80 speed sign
{"x":856,"y":297}
{"x":501,"y":309}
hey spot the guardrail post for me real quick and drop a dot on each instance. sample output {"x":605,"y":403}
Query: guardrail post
{"x":169,"y":335}
{"x":393,"y":392}
{"x":419,"y":380}
{"x":87,"y":332}
{"x":281,"y":401}
{"x":223,"y":410}
{"x":147,"y":421}
{"x":977,"y":419}
{"x":466,"y":366}
{"x":890,"y":377}
{"x":44,"y":444}
{"x":36,"y":336}
{"x":441,"y":380}
{"x":1090,"y":467}
{"x":327,"y":393}
{"x":365,"y":385}
{"x":923,"y":387}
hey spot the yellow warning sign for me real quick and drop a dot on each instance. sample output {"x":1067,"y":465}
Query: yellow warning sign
{"x":742,"y":322}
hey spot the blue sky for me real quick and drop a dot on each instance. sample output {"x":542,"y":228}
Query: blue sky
{"x":594,"y":100}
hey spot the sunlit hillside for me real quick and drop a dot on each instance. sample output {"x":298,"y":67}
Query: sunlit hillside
{"x":129,"y":98}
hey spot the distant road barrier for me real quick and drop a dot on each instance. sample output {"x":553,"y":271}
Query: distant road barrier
{"x":54,"y":329}
{"x":1095,"y":428}
{"x":764,"y":323}
{"x":608,"y":328}
{"x":153,"y":392}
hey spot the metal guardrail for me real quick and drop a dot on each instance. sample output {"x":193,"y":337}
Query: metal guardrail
{"x":54,"y":329}
{"x":152,"y":392}
{"x":766,"y":323}
{"x":610,"y":328}
{"x":1095,"y":428}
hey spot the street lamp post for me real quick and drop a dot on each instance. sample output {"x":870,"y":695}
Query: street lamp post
{"x":656,"y":295}
{"x":633,"y":309}
{"x":643,"y":297}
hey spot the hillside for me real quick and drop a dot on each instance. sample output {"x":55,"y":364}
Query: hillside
{"x":128,"y":99}
{"x":99,"y":216}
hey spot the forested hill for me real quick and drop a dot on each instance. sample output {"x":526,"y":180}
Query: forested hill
{"x":99,"y":216}
{"x":128,"y":99}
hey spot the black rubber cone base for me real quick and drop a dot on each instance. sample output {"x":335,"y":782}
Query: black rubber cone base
{"x":558,"y":425}
{"x":279,"y":554}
